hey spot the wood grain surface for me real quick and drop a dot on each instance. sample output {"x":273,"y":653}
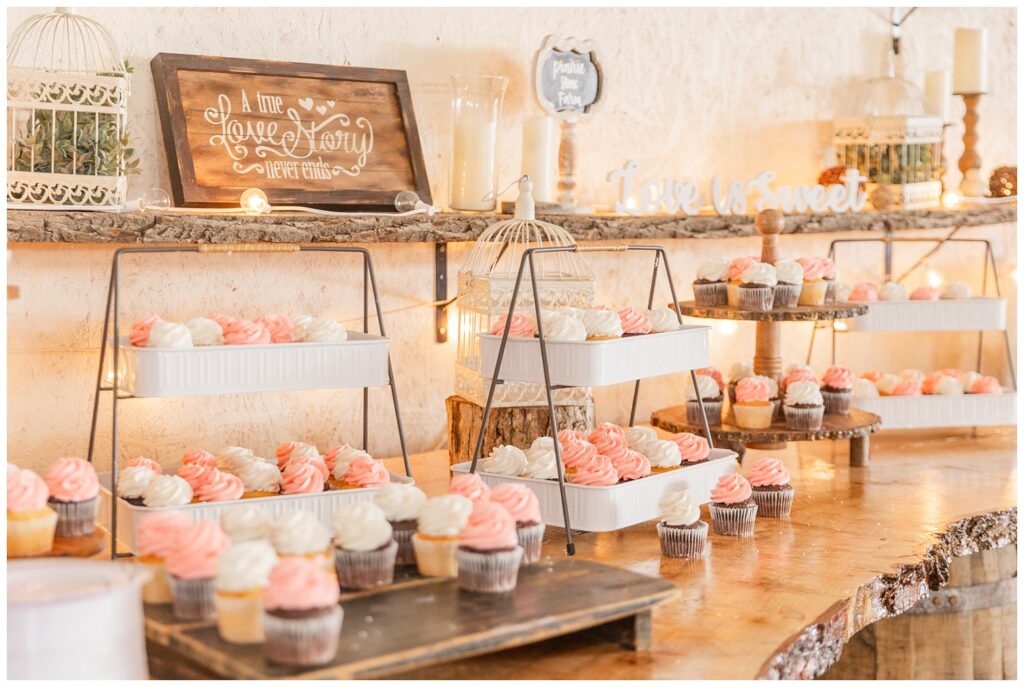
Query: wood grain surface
{"x":857,"y":423}
{"x":801,"y":313}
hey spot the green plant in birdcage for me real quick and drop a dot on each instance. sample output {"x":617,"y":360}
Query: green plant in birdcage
{"x":64,"y":142}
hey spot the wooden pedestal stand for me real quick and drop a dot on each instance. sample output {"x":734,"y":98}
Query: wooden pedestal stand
{"x":768,"y":362}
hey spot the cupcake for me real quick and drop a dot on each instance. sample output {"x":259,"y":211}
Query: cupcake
{"x":364,"y":547}
{"x":196,"y":474}
{"x":906,"y":387}
{"x":322,"y":330}
{"x":829,"y":275}
{"x":798,"y":373}
{"x":132,"y":482}
{"x":815,"y":287}
{"x":948,"y":386}
{"x":260,"y":478}
{"x":886,"y":383}
{"x":506,"y":460}
{"x":143,"y":462}
{"x":597,"y":472}
{"x":631,"y":465}
{"x":300,"y":534}
{"x":925,"y":293}
{"x":243,"y":570}
{"x":343,"y":456}
{"x":664,"y":455}
{"x":737,"y":372}
{"x":523,"y":506}
{"x":205,"y":332}
{"x":365,"y":473}
{"x":956,"y":290}
{"x":568,"y":435}
{"x":637,"y":438}
{"x":284,"y":450}
{"x":559,"y":327}
{"x":575,"y":452}
{"x":872,"y":375}
{"x":192,"y":566}
{"x":522,"y":326}
{"x":709,"y":391}
{"x":138,"y":335}
{"x":893,"y":291}
{"x":693,"y":449}
{"x":301,"y":478}
{"x":709,"y":289}
{"x":911,"y":373}
{"x":714,"y":373}
{"x":790,"y":281}
{"x":841,"y":293}
{"x":301,"y":615}
{"x":155,"y":536}
{"x":611,"y":445}
{"x":736,"y":268}
{"x":837,"y":389}
{"x":165,"y":491}
{"x":437,"y":534}
{"x":31,"y":523}
{"x":681,"y":531}
{"x":245,"y":523}
{"x":771,"y":490}
{"x":606,"y":428}
{"x":986,"y":385}
{"x":402,"y":504}
{"x":753,"y":409}
{"x":634,"y":323}
{"x":732,"y":507}
{"x":967,"y":380}
{"x":280,"y":327}
{"x":314,"y":459}
{"x":224,"y":321}
{"x":469,"y":485}
{"x":246,"y":333}
{"x":865,"y":388}
{"x":864,"y":291}
{"x":757,"y":287}
{"x":804,"y":406}
{"x":602,"y":325}
{"x":228,"y":457}
{"x":299,"y":323}
{"x":222,"y":486}
{"x":663,"y":320}
{"x":540,"y":460}
{"x":488,"y":553}
{"x":75,"y":495}
{"x":169,"y":335}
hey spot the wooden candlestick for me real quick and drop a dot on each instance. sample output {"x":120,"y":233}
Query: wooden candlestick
{"x":567,"y":165}
{"x":970,"y":158}
{"x":768,"y":348}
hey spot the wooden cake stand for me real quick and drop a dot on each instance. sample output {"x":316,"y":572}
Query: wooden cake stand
{"x":857,"y":426}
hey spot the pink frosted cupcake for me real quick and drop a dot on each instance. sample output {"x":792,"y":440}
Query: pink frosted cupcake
{"x":155,"y":536}
{"x":225,"y":321}
{"x":770,"y":488}
{"x":280,"y":327}
{"x":139,"y":334}
{"x":523,"y":506}
{"x":837,"y":389}
{"x":631,"y":465}
{"x":245,"y":332}
{"x":283,"y":452}
{"x":221,"y":486}
{"x":471,"y":486}
{"x":489,"y":553}
{"x":907,"y":387}
{"x":596,"y":472}
{"x":75,"y":495}
{"x":192,"y":564}
{"x":30,"y":522}
{"x":634,"y":323}
{"x":732,"y":507}
{"x":314,"y":459}
{"x":753,"y":408}
{"x":301,"y":478}
{"x":815,"y":288}
{"x":522,"y":326}
{"x":694,"y":449}
{"x":567,"y":435}
{"x":364,"y":472}
{"x":925,"y":293}
{"x":872,"y":375}
{"x":196,"y":474}
{"x":986,"y":385}
{"x":301,"y":615}
{"x":611,"y":445}
{"x":576,"y":452}
{"x":864,"y":291}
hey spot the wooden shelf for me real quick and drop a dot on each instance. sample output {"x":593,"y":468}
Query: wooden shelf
{"x":801,"y":313}
{"x":31,"y":226}
{"x":857,"y":424}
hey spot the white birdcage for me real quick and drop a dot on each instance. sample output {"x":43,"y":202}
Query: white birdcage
{"x":485,"y":291}
{"x":67,"y":111}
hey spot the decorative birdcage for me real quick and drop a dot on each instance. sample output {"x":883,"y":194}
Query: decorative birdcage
{"x":485,"y":291}
{"x":67,"y":111}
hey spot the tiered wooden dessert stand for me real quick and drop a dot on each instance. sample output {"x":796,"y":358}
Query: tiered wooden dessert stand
{"x":857,"y":426}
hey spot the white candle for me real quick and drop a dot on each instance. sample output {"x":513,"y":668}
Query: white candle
{"x":938,"y":87}
{"x":970,"y":63}
{"x":540,"y":156}
{"x":473,"y":166}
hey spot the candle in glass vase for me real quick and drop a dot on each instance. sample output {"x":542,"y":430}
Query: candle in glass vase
{"x":938,"y":87}
{"x":970,"y":63}
{"x":540,"y":156}
{"x":476,"y":109}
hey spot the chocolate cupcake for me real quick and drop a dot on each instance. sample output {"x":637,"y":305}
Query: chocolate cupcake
{"x":364,"y":548}
{"x":770,"y":488}
{"x":402,"y":504}
{"x":489,"y":553}
{"x":757,"y":287}
{"x":837,"y":389}
{"x":132,"y":482}
{"x":709,"y":289}
{"x":681,"y":531}
{"x":732,"y":507}
{"x":301,"y":615}
{"x":74,"y":494}
{"x":711,"y":394}
{"x":790,"y":277}
{"x":523,"y":506}
{"x":805,"y":406}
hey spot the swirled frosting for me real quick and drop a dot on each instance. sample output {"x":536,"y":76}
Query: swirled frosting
{"x":663,"y":320}
{"x":609,"y":445}
{"x":139,"y":333}
{"x":196,"y":474}
{"x":752,"y":390}
{"x":637,"y":438}
{"x":301,"y":478}
{"x":26,"y":491}
{"x":245,"y":523}
{"x":259,"y":475}
{"x":299,"y":323}
{"x":768,"y":472}
{"x":324,"y":331}
{"x":156,"y":533}
{"x":863,"y":291}
{"x":343,"y":457}
{"x":280,"y":327}
{"x":692,"y":448}
{"x":197,"y":456}
{"x":731,"y":489}
{"x":313,"y":459}
{"x":663,"y":453}
{"x":887,"y":382}
{"x":360,"y":526}
{"x":911,"y":373}
{"x":632,"y":465}
{"x":677,"y":507}
{"x":72,"y":480}
{"x":230,"y":456}
{"x":872,"y":375}
{"x":737,"y":266}
{"x":789,"y":272}
{"x":567,"y":435}
{"x":814,"y":268}
{"x":297,"y":584}
{"x":505,"y":460}
{"x":803,"y":393}
{"x":244,"y":566}
{"x":444,"y":516}
{"x":956,"y":290}
{"x":558,"y":327}
{"x":193,"y":556}
{"x":606,"y":428}
{"x":169,"y":335}
{"x":367,"y":472}
{"x":838,"y":377}
{"x":205,"y":332}
{"x":224,"y":321}
{"x":469,"y":485}
{"x":167,"y":490}
{"x":948,"y":386}
{"x":893,"y":291}
{"x":865,"y":387}
{"x":842,"y":293}
{"x":597,"y":473}
{"x":600,"y":322}
{"x":284,"y":451}
{"x":143,"y":462}
{"x":714,"y":373}
{"x":489,"y":528}
{"x":773,"y":387}
{"x":520,"y":502}
{"x":740,"y":371}
{"x":986,"y":385}
{"x":713,"y":270}
{"x":133,"y":480}
{"x":907,"y":387}
{"x":522,"y":325}
{"x":299,"y":532}
{"x":925,"y":293}
{"x":540,"y":459}
{"x":634,"y":322}
{"x":707,"y":387}
{"x":577,"y":452}
{"x":246,"y":332}
{"x":759,"y":274}
{"x":400,"y":502}
{"x":800,"y":374}
{"x":221,"y":486}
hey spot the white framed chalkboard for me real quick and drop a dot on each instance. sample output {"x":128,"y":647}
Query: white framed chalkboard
{"x":567,"y":77}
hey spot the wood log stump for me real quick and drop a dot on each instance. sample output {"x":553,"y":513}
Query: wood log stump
{"x":966,"y":630}
{"x":516,"y":426}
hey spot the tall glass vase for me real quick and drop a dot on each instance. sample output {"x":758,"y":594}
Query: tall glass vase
{"x":476,"y":110}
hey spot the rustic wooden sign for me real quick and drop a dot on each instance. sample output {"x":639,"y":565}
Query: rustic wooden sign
{"x":314,"y":135}
{"x":567,"y":77}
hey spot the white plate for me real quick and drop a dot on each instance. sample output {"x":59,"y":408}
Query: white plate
{"x":964,"y":314}
{"x":598,"y":363}
{"x":322,"y":505}
{"x":603,"y":509}
{"x":964,"y":410}
{"x":207,"y":370}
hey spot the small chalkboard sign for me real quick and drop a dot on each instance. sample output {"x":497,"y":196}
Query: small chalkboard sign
{"x":567,"y":77}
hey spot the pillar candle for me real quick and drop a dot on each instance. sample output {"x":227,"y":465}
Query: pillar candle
{"x":473,"y":165}
{"x":938,"y":87}
{"x":540,"y":156}
{"x":970,"y":61}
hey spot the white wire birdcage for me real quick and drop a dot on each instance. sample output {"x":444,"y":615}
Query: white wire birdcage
{"x":67,"y":112}
{"x":485,"y":291}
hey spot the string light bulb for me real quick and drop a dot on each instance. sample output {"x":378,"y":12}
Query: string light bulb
{"x":934,"y":279}
{"x":727,"y":327}
{"x":839,"y":325}
{"x":254,"y":202}
{"x":951,"y":199}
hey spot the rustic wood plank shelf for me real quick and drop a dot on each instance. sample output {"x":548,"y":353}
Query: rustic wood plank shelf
{"x":801,"y":313}
{"x":30,"y":226}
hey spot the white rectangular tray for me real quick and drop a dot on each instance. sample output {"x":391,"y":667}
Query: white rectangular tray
{"x":207,"y":370}
{"x":322,"y":505}
{"x":918,"y":412}
{"x":598,"y":363}
{"x":603,"y":509}
{"x":966,"y":314}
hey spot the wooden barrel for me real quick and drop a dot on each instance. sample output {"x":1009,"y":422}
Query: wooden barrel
{"x":966,"y":630}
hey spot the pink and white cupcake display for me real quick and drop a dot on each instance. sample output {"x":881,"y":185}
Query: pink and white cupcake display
{"x":226,"y":330}
{"x":599,"y":323}
{"x":944,"y":382}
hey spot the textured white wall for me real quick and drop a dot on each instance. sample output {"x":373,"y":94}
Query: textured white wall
{"x":690,"y":93}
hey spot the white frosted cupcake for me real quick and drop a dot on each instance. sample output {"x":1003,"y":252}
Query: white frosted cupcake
{"x":205,"y":332}
{"x":709,"y":391}
{"x":956,"y":290}
{"x":663,"y":320}
{"x":437,"y":535}
{"x":948,"y":386}
{"x":402,"y":504}
{"x":167,"y":490}
{"x":169,"y":335}
{"x":540,"y":459}
{"x":558,"y":327}
{"x":790,"y":276}
{"x":709,"y":289}
{"x":245,"y":523}
{"x":300,"y":534}
{"x":343,"y":457}
{"x":132,"y":482}
{"x":865,"y":388}
{"x":893,"y":291}
{"x":757,"y":287}
{"x":663,"y":455}
{"x":364,"y":548}
{"x":601,"y":325}
{"x":681,"y":531}
{"x":805,"y":407}
{"x":505,"y":460}
{"x":242,"y":572}
{"x":229,"y":457}
{"x":886,"y":383}
{"x":259,"y":477}
{"x":322,"y":330}
{"x":637,"y":438}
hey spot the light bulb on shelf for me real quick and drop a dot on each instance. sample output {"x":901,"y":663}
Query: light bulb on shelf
{"x":950,"y":199}
{"x":254,"y":201}
{"x":934,"y":279}
{"x":839,"y":326}
{"x":409,"y":201}
{"x":155,"y":199}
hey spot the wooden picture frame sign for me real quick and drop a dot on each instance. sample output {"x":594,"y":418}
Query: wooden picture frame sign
{"x":312,"y":135}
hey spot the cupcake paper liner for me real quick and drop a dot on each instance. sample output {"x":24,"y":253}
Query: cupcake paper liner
{"x":733,"y":522}
{"x":683,"y":542}
{"x":240,"y":617}
{"x":752,"y":416}
{"x":732,"y":293}
{"x":32,"y":536}
{"x":757,"y":298}
{"x":495,"y":571}
{"x":403,"y":535}
{"x":772,"y":503}
{"x":830,"y":290}
{"x":712,"y":408}
{"x":804,"y":418}
{"x":158,"y":589}
{"x":837,"y":402}
{"x":192,"y":599}
{"x":366,"y":569}
{"x":730,"y":389}
{"x":436,"y":557}
{"x":786,"y":295}
{"x":530,"y":539}
{"x":706,"y":295}
{"x":777,"y":412}
{"x":75,"y":518}
{"x":813,"y":293}
{"x":307,"y":641}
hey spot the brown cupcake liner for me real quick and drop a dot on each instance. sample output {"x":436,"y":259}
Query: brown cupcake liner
{"x":307,"y":641}
{"x":757,"y":298}
{"x":712,"y":408}
{"x":75,"y":518}
{"x":804,"y":418}
{"x":403,"y":535}
{"x":683,"y":542}
{"x":490,"y":572}
{"x":786,"y":296}
{"x":705,"y":295}
{"x":830,"y":292}
{"x":530,"y":539}
{"x":366,"y":569}
{"x":735,"y":521}
{"x":192,"y":599}
{"x":773,"y":503}
{"x":837,"y":402}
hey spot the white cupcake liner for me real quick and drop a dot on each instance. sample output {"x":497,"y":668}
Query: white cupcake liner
{"x":239,"y":618}
{"x":830,"y":291}
{"x":366,"y":569}
{"x":733,"y":522}
{"x":712,"y":408}
{"x":530,"y":538}
{"x":158,"y":589}
{"x":307,"y":641}
{"x":753,"y":417}
{"x":757,"y":298}
{"x":75,"y":518}
{"x":732,"y":293}
{"x":683,"y":542}
{"x":715,"y":293}
{"x":786,"y":295}
{"x":837,"y":402}
{"x":436,"y":557}
{"x":192,"y":599}
{"x":772,"y":503}
{"x":813,"y":293}
{"x":495,"y":571}
{"x":804,"y":418}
